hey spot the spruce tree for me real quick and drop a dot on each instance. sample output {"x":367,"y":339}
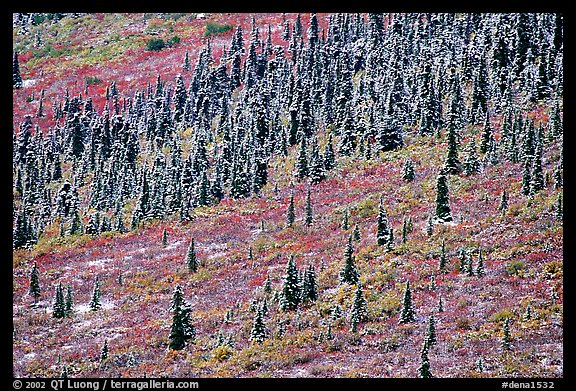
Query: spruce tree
{"x":356,"y":233}
{"x":471,"y":164}
{"x":290,"y":216}
{"x":429,"y":226}
{"x":383,"y":233}
{"x":258,"y":332}
{"x":34,"y":289}
{"x":104,"y":351}
{"x":407,"y":314}
{"x":431,"y":331}
{"x":404,"y":230}
{"x":267,"y":284}
{"x":345,"y":220}
{"x":528,"y":313}
{"x":309,"y":285}
{"x":329,"y":155}
{"x":558,"y":207}
{"x":487,"y":136}
{"x":440,"y":305}
{"x":191,"y":259}
{"x":424,"y":368}
{"x":452,"y":164}
{"x":59,"y":307}
{"x":408,"y":170}
{"x":317,"y":170}
{"x":16,"y":77}
{"x":302,"y":162}
{"x":95,"y":300}
{"x":503,"y":201}
{"x":164,"y":237}
{"x":442,"y":202}
{"x":349,"y":273}
{"x":480,"y":267}
{"x":442,"y":261}
{"x":558,"y":177}
{"x":359,"y":311}
{"x":182,"y":329}
{"x":308,"y":220}
{"x":69,"y":304}
{"x":290,"y":289}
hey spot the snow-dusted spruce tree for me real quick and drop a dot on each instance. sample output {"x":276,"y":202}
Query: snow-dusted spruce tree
{"x":59,"y":307}
{"x":309,"y":285}
{"x":95,"y":299}
{"x":34,"y":289}
{"x":16,"y":77}
{"x":408,"y":170}
{"x":443,"y":213}
{"x":359,"y":311}
{"x":182,"y":330}
{"x":191,"y":258}
{"x":290,"y":216}
{"x":349,"y":273}
{"x":424,"y":368}
{"x":383,"y":226}
{"x":258,"y":332}
{"x":443,"y":259}
{"x":69,"y":304}
{"x":290,"y":296}
{"x":308,"y":209}
{"x":407,"y":314}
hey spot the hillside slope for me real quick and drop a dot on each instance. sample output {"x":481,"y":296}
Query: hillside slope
{"x":239,"y":241}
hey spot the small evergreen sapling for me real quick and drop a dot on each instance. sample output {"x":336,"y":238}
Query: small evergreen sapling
{"x":480,"y":267}
{"x":356,"y":233}
{"x":290,"y":297}
{"x":309,"y":218}
{"x":191,"y":258}
{"x":258,"y":332}
{"x":408,"y":170}
{"x":164,"y":237}
{"x":359,"y":312}
{"x":407,"y":314}
{"x":503,"y":202}
{"x":95,"y":300}
{"x":443,"y":213}
{"x":69,"y":304}
{"x":34,"y":289}
{"x":104,"y":352}
{"x":290,"y":216}
{"x":424,"y":368}
{"x":383,"y":233}
{"x":431,"y":331}
{"x":349,"y":273}
{"x":346,"y":220}
{"x":59,"y":307}
{"x":442,"y":261}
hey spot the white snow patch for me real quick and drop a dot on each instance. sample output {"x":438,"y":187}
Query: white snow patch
{"x":82,"y":308}
{"x":30,"y":356}
{"x":173,"y":245}
{"x":29,"y":83}
{"x":99,"y":262}
{"x":217,"y":254}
